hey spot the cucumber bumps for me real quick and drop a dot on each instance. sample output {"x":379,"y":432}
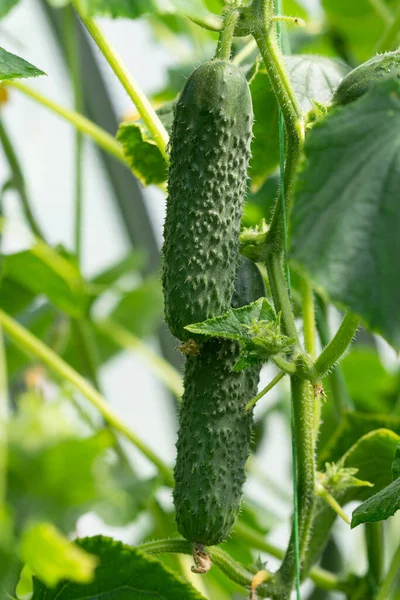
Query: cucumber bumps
{"x":359,"y":81}
{"x":215,"y":431}
{"x":210,"y":151}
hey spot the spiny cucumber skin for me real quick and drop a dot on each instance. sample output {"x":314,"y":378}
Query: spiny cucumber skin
{"x":210,"y":151}
{"x":215,"y":431}
{"x":360,"y":79}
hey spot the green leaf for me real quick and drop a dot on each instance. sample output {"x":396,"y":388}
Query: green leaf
{"x":6,"y":6}
{"x":15,"y":67}
{"x":353,"y":426}
{"x":132,"y":9}
{"x":236,"y":323}
{"x":42,"y":270}
{"x":145,"y":159}
{"x":129,"y":265}
{"x":314,"y":78}
{"x":371,"y":388}
{"x":14,"y":297}
{"x":372,"y":455}
{"x":357,"y":23}
{"x":379,"y":507}
{"x":346,"y":216}
{"x":52,"y":557}
{"x":123,"y":573}
{"x":396,"y":464}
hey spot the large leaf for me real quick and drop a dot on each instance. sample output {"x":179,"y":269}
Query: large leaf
{"x":143,"y":154}
{"x":379,"y":507}
{"x":124,"y":573}
{"x":15,"y":67}
{"x":353,"y":426}
{"x":346,"y":214}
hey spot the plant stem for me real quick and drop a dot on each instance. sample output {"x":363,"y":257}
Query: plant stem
{"x":226,"y":36}
{"x":337,"y":346}
{"x":125,"y":339}
{"x":32,"y":345}
{"x":18,"y":181}
{"x":87,"y":349}
{"x":375,"y":551}
{"x":308,"y":318}
{"x":101,"y":137}
{"x":277,"y":280}
{"x":210,"y":22}
{"x":139,"y":99}
{"x":287,"y":366}
{"x":332,"y":502}
{"x":303,"y":417}
{"x":72,"y":50}
{"x":389,"y":39}
{"x":3,"y":425}
{"x":231,"y":568}
{"x":267,"y":388}
{"x":391,"y":577}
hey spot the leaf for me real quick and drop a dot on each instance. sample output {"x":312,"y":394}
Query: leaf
{"x":372,"y":455}
{"x":128,"y":265}
{"x":354,"y":425}
{"x":314,"y":78}
{"x":123,"y":573}
{"x":145,"y":159}
{"x":396,"y":464}
{"x":42,"y":270}
{"x":235,"y":324}
{"x":6,"y":6}
{"x":15,"y":67}
{"x":52,"y":557}
{"x":132,"y":9}
{"x":14,"y":297}
{"x":346,"y":217}
{"x":379,"y":507}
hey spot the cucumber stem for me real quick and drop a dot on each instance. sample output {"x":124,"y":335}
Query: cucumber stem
{"x":267,"y":388}
{"x":337,"y":346}
{"x":224,"y":47}
{"x":391,"y":576}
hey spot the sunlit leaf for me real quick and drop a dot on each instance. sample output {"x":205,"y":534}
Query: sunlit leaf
{"x":52,"y":557}
{"x":379,"y":507}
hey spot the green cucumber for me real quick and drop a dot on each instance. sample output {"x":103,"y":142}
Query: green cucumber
{"x":210,"y":150}
{"x":215,"y":431}
{"x":360,"y":79}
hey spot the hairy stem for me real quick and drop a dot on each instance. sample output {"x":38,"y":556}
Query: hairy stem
{"x":277,"y":280}
{"x":98,"y":135}
{"x":338,"y":345}
{"x":32,"y":345}
{"x":224,"y":47}
{"x":375,"y":550}
{"x":264,"y":391}
{"x":146,"y":111}
{"x":18,"y":181}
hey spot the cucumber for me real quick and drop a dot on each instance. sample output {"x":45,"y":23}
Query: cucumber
{"x":215,"y":431}
{"x":359,"y":81}
{"x":210,"y":151}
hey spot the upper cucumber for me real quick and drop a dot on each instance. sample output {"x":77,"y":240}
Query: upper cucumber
{"x":360,"y":79}
{"x":210,"y":150}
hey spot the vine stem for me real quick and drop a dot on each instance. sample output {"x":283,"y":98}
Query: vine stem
{"x":125,"y":339}
{"x":32,"y":345}
{"x":18,"y":181}
{"x":132,"y":88}
{"x":101,"y":137}
{"x":3,"y":425}
{"x":375,"y":542}
{"x":337,"y":346}
{"x":390,"y":578}
{"x":235,"y":571}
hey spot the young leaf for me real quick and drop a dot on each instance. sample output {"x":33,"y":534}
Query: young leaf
{"x":379,"y":507}
{"x":346,"y":216}
{"x":15,"y":67}
{"x":123,"y":572}
{"x":52,"y":557}
{"x":144,"y":157}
